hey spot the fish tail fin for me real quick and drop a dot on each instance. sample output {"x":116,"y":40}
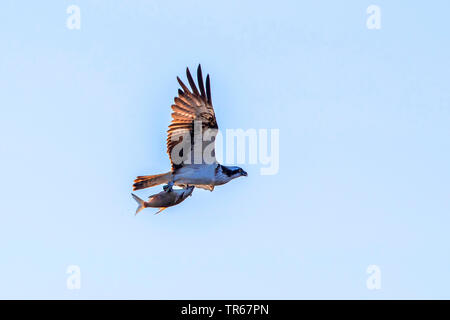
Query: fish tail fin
{"x":141,"y":203}
{"x":143,"y":182}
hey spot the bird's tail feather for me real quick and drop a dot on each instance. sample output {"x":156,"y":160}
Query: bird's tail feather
{"x":143,"y":182}
{"x":141,"y":203}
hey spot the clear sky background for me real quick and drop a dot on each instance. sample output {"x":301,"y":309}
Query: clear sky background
{"x":364,"y":149}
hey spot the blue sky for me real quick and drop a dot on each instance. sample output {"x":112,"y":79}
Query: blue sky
{"x":364,"y":149}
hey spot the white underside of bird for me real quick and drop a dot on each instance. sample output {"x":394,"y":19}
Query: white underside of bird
{"x":198,"y":175}
{"x":204,"y":176}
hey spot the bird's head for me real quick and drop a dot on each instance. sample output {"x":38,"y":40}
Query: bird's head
{"x":233,"y":172}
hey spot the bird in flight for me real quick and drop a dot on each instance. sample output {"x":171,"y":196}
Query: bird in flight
{"x":191,"y":142}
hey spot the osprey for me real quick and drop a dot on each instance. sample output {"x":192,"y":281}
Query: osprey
{"x":191,"y":142}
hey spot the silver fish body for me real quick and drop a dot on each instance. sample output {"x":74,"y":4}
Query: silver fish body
{"x":164,"y":199}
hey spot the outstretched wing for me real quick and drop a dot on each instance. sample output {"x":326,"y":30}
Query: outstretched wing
{"x":193,"y":129}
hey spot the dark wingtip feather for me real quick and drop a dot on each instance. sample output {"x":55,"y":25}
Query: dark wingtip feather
{"x":200,"y":81}
{"x":191,"y":82}
{"x":208,"y":89}
{"x":183,"y":85}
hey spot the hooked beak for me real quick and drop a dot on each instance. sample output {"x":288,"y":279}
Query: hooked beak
{"x":244,"y":173}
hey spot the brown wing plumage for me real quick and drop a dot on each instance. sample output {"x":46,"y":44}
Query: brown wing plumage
{"x":190,"y":109}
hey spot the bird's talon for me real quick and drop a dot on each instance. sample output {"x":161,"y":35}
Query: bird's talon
{"x":168,"y":187}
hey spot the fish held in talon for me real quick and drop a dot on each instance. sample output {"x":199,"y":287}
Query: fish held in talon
{"x":164,"y":199}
